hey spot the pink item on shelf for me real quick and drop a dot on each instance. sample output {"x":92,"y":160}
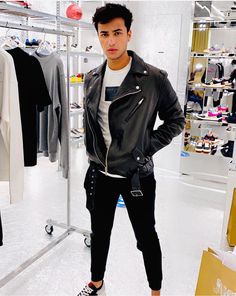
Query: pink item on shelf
{"x":224,"y":109}
{"x":211,"y":113}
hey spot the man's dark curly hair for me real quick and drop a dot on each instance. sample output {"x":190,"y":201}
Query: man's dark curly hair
{"x":105,"y":14}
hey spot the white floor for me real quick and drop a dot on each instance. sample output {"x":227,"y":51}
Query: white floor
{"x":189,"y":219}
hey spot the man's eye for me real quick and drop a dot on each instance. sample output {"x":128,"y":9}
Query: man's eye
{"x":117,"y":33}
{"x":103,"y":34}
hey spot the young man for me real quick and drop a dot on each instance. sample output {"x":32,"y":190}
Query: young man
{"x":122,"y":99}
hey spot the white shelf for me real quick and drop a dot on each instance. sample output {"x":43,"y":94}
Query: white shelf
{"x":76,"y":84}
{"x":218,"y":88}
{"x":41,"y":16}
{"x":212,"y":55}
{"x":215,"y":19}
{"x":76,"y":112}
{"x":84,"y":53}
{"x":202,"y":153}
{"x":77,"y":140}
{"x":209,"y":122}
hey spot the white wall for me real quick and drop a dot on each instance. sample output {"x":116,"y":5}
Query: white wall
{"x":164,"y":27}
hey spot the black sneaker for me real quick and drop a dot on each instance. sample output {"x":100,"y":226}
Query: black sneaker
{"x":90,"y":289}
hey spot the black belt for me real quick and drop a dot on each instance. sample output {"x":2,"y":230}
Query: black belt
{"x":135,"y":185}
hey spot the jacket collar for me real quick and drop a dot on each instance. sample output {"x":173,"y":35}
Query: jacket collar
{"x":138,"y":66}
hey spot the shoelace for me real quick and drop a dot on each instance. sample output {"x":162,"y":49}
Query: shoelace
{"x":86,"y":291}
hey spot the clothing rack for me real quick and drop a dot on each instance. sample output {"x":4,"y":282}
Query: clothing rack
{"x":50,"y":223}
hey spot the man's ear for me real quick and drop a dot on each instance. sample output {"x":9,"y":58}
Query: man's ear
{"x":129,"y":35}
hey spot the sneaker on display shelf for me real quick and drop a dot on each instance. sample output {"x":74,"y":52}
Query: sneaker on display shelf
{"x":190,"y":106}
{"x":206,"y":147}
{"x":75,"y":133}
{"x":212,"y":113}
{"x":186,"y":138}
{"x":199,"y":146}
{"x":90,"y":49}
{"x":74,"y":105}
{"x":90,"y":289}
{"x":212,"y":137}
{"x":197,"y":108}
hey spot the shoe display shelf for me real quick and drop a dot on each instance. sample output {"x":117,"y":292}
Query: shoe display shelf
{"x":204,"y":157}
{"x":75,"y":112}
{"x":217,"y":118}
{"x":210,"y":122}
{"x":76,"y":84}
{"x":216,"y":87}
{"x":84,"y":54}
{"x":200,"y":157}
{"x":213,"y":55}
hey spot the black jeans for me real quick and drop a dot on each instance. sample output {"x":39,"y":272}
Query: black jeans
{"x":102,"y":196}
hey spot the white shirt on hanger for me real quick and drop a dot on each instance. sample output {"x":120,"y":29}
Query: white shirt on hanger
{"x":11,"y":142}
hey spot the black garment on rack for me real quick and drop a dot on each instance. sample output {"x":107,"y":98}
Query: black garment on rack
{"x":221,"y":70}
{"x":232,"y":76}
{"x":33,"y":96}
{"x":1,"y":232}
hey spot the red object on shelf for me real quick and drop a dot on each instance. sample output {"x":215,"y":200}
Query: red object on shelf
{"x":74,"y":11}
{"x":21,"y":3}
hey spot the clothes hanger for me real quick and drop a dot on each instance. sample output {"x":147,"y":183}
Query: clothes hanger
{"x":5,"y":41}
{"x":17,"y":41}
{"x":45,"y":48}
{"x":10,"y":42}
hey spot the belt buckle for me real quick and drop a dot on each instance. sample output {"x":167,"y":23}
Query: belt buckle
{"x":136,"y":193}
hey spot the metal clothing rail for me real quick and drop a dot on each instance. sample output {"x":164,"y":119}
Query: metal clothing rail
{"x":49,"y":227}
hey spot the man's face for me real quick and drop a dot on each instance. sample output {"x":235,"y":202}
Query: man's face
{"x":114,"y":38}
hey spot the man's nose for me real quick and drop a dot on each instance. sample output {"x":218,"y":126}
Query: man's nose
{"x":111,"y":41}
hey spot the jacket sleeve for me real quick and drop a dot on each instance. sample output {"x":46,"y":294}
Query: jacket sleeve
{"x":171,"y":113}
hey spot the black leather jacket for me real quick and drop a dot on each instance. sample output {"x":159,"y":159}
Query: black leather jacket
{"x":144,"y":93}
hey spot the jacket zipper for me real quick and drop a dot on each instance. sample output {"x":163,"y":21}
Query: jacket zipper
{"x":93,"y":139}
{"x":106,"y":164}
{"x":106,"y":160}
{"x":134,"y":110}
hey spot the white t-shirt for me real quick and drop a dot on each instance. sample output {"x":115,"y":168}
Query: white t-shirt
{"x":111,"y":83}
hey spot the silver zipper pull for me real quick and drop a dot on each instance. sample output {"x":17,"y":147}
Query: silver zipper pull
{"x":140,"y":102}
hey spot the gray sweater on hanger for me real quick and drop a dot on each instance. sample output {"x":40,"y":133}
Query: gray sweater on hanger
{"x":54,"y":121}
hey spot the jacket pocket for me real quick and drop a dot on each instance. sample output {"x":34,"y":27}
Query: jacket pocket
{"x":138,"y":156}
{"x":134,"y":109}
{"x":145,"y":163}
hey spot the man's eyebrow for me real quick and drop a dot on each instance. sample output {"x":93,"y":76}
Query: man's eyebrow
{"x":117,"y":30}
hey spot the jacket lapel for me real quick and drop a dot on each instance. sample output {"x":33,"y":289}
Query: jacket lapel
{"x":95,"y":90}
{"x":129,"y":85}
